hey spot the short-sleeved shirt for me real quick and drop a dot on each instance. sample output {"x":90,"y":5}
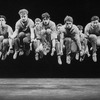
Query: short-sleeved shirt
{"x":90,"y":29}
{"x":6,"y":31}
{"x":24,"y":26}
{"x":69,"y":32}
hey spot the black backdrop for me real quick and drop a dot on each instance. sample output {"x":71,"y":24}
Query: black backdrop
{"x":27,"y":67}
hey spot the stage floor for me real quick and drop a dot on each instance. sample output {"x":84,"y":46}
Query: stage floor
{"x":49,"y":89}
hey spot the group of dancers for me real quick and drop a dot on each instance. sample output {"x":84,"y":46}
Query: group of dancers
{"x":44,"y":36}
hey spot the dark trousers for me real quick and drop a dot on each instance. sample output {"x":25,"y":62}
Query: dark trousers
{"x":22,"y":41}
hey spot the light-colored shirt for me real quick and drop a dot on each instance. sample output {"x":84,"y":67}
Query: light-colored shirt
{"x":90,"y":29}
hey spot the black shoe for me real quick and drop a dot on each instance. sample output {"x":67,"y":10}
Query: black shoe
{"x":27,"y":52}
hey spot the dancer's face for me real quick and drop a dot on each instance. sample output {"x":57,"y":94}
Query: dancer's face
{"x":68,"y":24}
{"x":2,"y":22}
{"x":24,"y":17}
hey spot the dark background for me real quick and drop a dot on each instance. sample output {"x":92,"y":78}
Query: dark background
{"x":27,"y":67}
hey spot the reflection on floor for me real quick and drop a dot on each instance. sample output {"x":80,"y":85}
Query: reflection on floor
{"x":50,"y":89}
